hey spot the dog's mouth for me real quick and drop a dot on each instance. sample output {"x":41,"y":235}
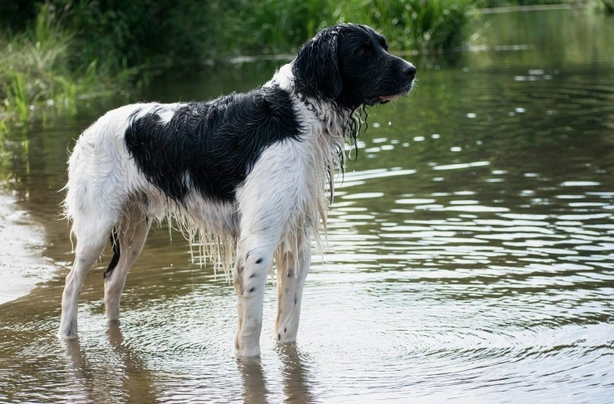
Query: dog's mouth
{"x":383,"y":99}
{"x":388,"y":98}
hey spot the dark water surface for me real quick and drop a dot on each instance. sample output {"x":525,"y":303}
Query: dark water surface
{"x":470,"y":256}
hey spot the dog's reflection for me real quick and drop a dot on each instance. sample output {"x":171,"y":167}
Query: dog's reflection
{"x":120,"y":375}
{"x":296,"y":375}
{"x":125,"y":377}
{"x":295,"y":378}
{"x":254,"y":385}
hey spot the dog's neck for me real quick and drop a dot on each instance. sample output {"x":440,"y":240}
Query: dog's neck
{"x":336,"y":121}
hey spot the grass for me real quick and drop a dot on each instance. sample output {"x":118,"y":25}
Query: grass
{"x":32,"y":70}
{"x":35,"y":76}
{"x":433,"y":27}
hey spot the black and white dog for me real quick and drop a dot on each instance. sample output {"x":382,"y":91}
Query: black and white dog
{"x":245,"y":173}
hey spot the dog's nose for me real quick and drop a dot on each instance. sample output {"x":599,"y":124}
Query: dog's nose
{"x":409,"y":70}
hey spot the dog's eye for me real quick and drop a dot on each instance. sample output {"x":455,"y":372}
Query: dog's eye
{"x":364,"y":49}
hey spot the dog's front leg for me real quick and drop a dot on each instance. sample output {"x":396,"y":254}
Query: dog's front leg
{"x":291,"y":273}
{"x":249,"y":275}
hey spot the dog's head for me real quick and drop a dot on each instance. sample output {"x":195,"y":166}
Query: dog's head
{"x":350,"y":64}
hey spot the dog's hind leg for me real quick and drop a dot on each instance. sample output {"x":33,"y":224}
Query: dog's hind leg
{"x":90,"y":243}
{"x":128,"y":240}
{"x":292,"y":269}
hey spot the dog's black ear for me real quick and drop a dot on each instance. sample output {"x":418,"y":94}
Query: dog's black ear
{"x":316,"y":68}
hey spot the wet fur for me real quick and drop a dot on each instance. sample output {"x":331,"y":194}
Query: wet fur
{"x":245,"y":174}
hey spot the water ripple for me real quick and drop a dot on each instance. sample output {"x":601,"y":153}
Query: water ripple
{"x":469,"y":256}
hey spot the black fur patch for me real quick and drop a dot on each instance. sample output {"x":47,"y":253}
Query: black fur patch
{"x":212,"y":146}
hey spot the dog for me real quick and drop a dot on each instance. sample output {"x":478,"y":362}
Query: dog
{"x":248,"y":174}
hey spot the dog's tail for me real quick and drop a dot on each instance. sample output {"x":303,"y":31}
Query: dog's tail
{"x":116,"y":252}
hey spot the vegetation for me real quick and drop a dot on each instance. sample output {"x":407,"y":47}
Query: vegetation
{"x":32,"y":69}
{"x":35,"y":72}
{"x":429,"y":27}
{"x":53,"y":51}
{"x":608,"y":6}
{"x":511,"y":3}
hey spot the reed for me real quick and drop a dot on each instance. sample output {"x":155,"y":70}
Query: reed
{"x":36,"y":75}
{"x":430,"y":27}
{"x":33,"y":71}
{"x":279,"y":26}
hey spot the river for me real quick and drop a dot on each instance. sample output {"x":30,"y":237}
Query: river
{"x":470,"y":253}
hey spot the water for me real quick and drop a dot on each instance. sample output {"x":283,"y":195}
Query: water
{"x":470,"y":254}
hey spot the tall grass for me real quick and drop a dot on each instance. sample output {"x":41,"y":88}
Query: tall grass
{"x":36,"y":75}
{"x":428,"y":26}
{"x":274,"y":26}
{"x":33,"y":70}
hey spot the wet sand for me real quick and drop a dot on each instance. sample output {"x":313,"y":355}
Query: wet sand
{"x":22,"y":243}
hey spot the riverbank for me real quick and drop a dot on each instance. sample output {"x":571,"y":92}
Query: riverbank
{"x":537,"y":7}
{"x":51,"y":55}
{"x":22,"y":265}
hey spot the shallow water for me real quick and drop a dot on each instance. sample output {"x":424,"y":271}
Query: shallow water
{"x":470,"y":251}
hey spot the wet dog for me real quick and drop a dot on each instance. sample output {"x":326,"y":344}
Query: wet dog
{"x":246,"y":174}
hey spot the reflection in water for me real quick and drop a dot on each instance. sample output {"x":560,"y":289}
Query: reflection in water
{"x":124,"y":378}
{"x":469,"y":253}
{"x":296,"y":376}
{"x":254,"y":385}
{"x":120,"y":375}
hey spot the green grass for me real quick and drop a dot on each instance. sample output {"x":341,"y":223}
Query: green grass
{"x":35,"y":75}
{"x":33,"y":72}
{"x":431,"y":27}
